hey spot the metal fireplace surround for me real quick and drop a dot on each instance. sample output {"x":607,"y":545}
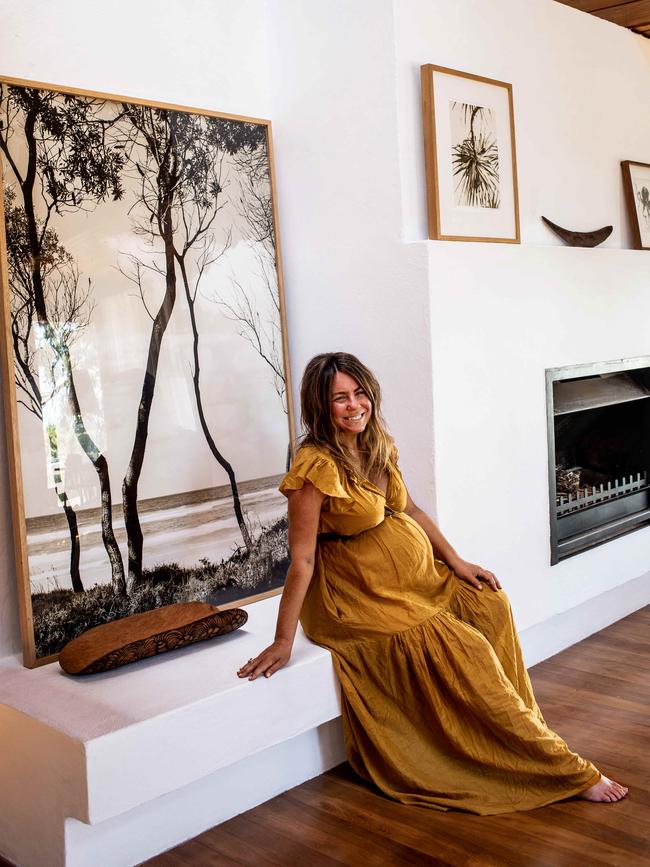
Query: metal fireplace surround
{"x":598,"y":452}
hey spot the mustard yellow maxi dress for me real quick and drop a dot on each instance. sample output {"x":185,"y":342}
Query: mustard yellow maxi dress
{"x":438,"y":709}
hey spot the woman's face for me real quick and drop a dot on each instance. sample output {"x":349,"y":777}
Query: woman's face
{"x":351,"y":406}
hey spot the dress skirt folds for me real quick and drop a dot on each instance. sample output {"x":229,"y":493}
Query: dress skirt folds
{"x":438,"y":708}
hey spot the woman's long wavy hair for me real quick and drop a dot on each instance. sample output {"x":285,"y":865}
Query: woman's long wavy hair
{"x":375,"y":444}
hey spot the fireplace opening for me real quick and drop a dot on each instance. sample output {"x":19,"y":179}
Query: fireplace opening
{"x":599,"y":453}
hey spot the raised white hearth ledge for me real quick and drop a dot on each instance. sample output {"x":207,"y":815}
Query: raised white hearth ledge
{"x":130,"y":752}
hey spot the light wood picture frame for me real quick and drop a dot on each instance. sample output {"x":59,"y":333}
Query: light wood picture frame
{"x":470,"y":157}
{"x":145,"y":365}
{"x":636,"y":185}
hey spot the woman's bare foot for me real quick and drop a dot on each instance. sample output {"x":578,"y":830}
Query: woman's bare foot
{"x":605,"y":790}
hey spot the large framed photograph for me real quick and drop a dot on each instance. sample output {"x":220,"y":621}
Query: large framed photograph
{"x":470,"y":157}
{"x":636,"y":183}
{"x":145,"y":366}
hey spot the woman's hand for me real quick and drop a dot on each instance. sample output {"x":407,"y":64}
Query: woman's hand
{"x":469,"y":572}
{"x":474,"y":575}
{"x":269,"y":660}
{"x":304,"y":514}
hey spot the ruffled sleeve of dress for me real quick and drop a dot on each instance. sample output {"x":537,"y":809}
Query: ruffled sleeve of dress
{"x":317,"y":467}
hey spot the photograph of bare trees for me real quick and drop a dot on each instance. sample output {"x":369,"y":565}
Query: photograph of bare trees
{"x":144,"y":325}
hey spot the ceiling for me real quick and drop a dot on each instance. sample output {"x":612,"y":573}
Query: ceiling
{"x":634,"y":14}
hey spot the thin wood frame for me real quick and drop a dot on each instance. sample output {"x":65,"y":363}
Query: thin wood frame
{"x":10,"y":403}
{"x":630,"y":201}
{"x":427,"y":71}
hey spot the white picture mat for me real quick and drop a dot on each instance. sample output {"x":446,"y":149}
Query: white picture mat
{"x":640,"y":176}
{"x":457,"y":220}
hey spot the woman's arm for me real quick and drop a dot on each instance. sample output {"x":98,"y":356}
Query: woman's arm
{"x":442,"y":549}
{"x":304,"y":513}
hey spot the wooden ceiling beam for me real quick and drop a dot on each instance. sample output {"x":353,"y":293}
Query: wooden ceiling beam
{"x":593,"y":5}
{"x":626,"y":14}
{"x":633,"y":14}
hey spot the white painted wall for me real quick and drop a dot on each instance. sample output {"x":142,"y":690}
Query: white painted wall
{"x":205,"y":53}
{"x":580,"y":85}
{"x":351,"y":284}
{"x":501,"y":314}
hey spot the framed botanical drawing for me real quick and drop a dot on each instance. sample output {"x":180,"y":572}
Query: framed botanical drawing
{"x":636,"y":183}
{"x":145,"y":366}
{"x":470,"y":157}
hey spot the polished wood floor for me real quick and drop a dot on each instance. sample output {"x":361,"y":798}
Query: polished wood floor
{"x":596,"y":694}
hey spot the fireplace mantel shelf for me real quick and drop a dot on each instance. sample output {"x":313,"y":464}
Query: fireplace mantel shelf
{"x":563,"y":248}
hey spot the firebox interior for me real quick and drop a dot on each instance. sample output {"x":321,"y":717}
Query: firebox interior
{"x":599,"y":449}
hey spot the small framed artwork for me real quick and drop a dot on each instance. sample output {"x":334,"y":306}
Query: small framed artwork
{"x":470,"y":157}
{"x":636,"y":183}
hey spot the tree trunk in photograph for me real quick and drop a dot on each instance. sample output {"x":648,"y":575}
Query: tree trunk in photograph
{"x":101,"y":468}
{"x":71,"y":517}
{"x":36,"y":408}
{"x":70,"y":514}
{"x":130,"y":484}
{"x":221,"y":460}
{"x":61,"y":351}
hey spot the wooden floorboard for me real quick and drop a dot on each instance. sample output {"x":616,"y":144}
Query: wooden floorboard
{"x":596,"y":694}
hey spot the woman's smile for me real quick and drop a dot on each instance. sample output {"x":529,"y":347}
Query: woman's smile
{"x":351,"y":406}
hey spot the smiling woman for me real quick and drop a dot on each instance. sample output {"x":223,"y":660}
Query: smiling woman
{"x":438,"y":709}
{"x":341,"y":401}
{"x":351,"y":407}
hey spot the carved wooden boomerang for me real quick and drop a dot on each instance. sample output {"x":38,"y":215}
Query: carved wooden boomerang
{"x":580,"y":239}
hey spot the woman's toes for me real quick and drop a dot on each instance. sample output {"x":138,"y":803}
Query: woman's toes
{"x":605,"y":790}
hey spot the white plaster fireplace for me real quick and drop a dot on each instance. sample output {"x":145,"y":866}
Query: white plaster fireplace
{"x":501,"y":316}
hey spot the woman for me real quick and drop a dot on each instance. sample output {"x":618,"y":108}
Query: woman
{"x":438,"y":709}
